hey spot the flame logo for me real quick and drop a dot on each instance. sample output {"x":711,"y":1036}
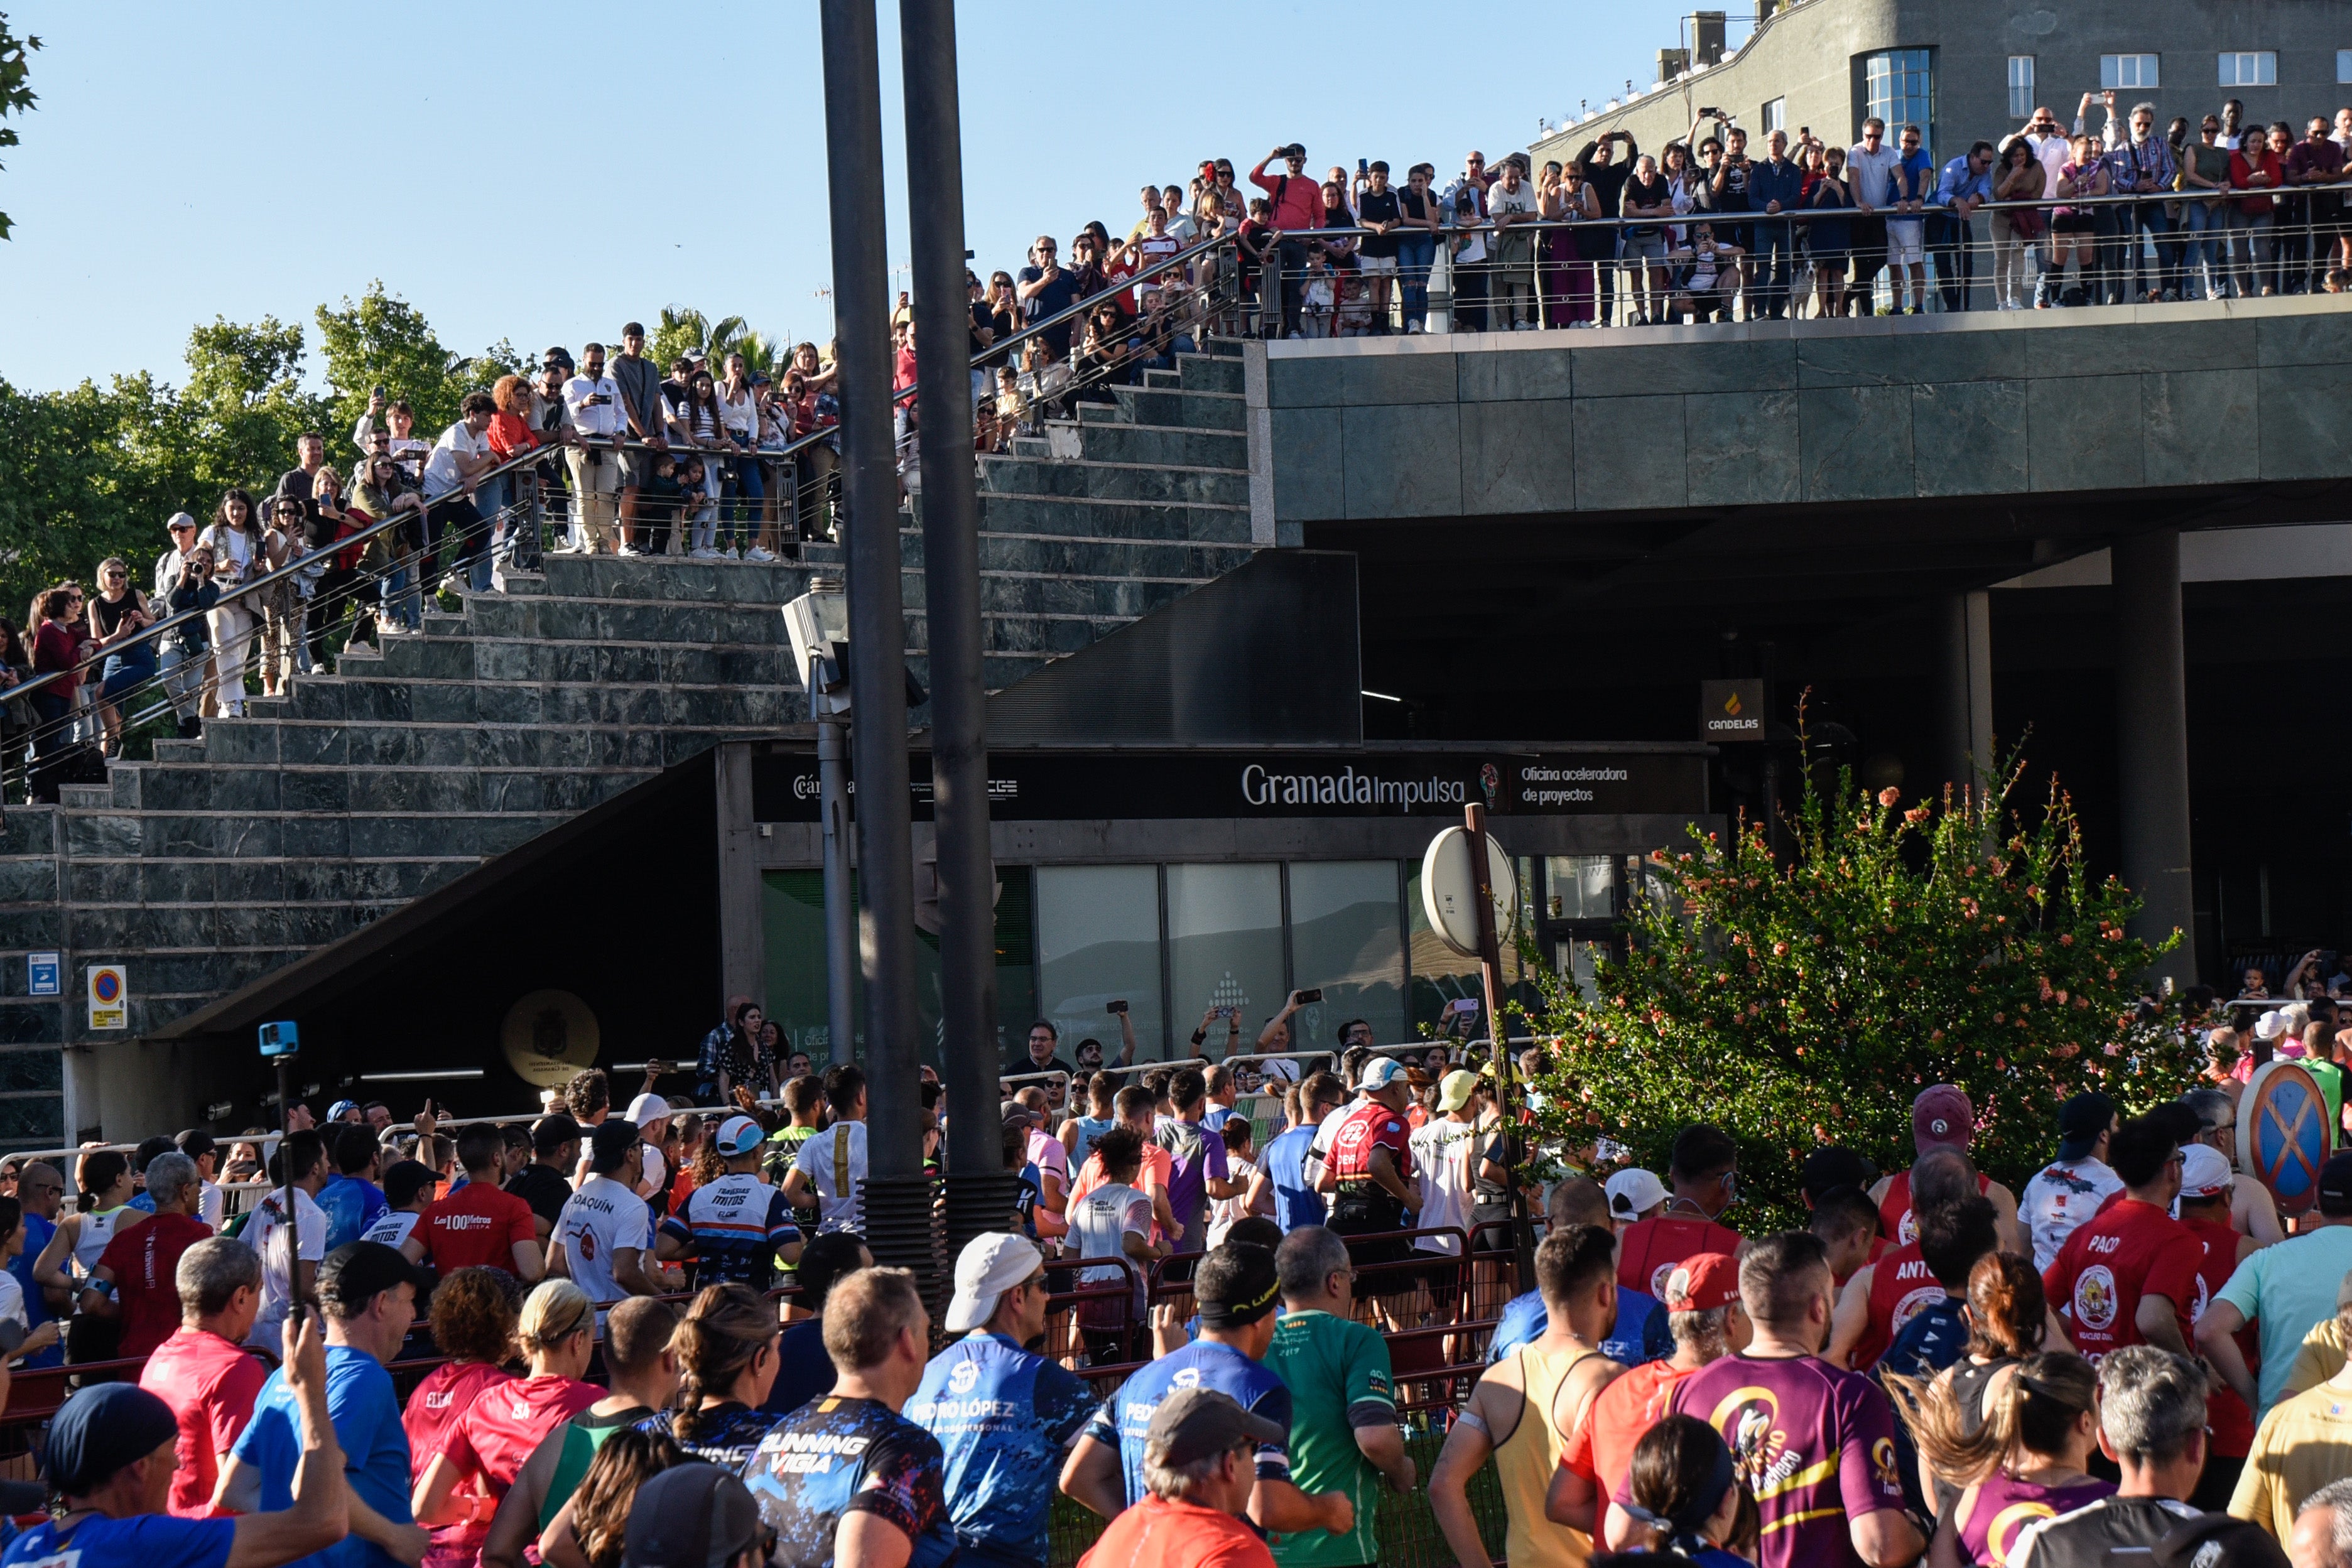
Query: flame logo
{"x":1731,"y":705}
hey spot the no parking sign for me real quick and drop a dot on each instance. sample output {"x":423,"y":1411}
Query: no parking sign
{"x":109,"y":996}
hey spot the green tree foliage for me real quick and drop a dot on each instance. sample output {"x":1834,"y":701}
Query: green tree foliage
{"x":236,"y":419}
{"x":382,"y":340}
{"x":15,"y":98}
{"x":1806,"y":1003}
{"x":684,"y":329}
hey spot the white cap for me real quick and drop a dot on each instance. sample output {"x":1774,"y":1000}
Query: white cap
{"x":1632,"y":1194}
{"x":2271,"y":1025}
{"x":740,"y":1135}
{"x":2203,"y":1172}
{"x":648,"y":1108}
{"x":990,"y":1264}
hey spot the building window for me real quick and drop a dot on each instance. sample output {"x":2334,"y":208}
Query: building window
{"x":1898,"y":86}
{"x":2021,"y":86}
{"x":2343,"y":65}
{"x":1776,"y":116}
{"x":2250,"y":67}
{"x":2120,"y":72}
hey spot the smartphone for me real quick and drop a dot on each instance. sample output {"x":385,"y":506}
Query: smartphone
{"x":1314,"y":995}
{"x":379,"y":392}
{"x":1117,"y":1008}
{"x":1363,"y":166}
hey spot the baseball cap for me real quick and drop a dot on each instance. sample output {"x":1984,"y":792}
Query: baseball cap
{"x":2336,"y":1184}
{"x":1198,"y":1424}
{"x":646,"y":1108}
{"x":2271,"y":1025}
{"x":1828,"y":1169}
{"x":1454,"y":1089}
{"x":2083,"y":1121}
{"x":102,"y":1430}
{"x":335,"y":1112}
{"x":692,"y":1516}
{"x":612,"y":1140}
{"x":1942,"y":1117}
{"x":2203,"y":1172}
{"x":1702,"y":1283}
{"x":358,"y":1271}
{"x":740,"y":1135}
{"x":177,"y":521}
{"x":990,"y":1264}
{"x":1380,"y":1071}
{"x":1015,"y":1114}
{"x":1634,"y":1193}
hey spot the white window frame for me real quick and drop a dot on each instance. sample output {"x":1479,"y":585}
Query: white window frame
{"x":1775,"y":116}
{"x":2130,"y":73}
{"x":2021,"y":86}
{"x":2250,"y":67}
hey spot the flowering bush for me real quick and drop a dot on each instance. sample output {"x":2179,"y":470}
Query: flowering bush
{"x":1807,"y":1003}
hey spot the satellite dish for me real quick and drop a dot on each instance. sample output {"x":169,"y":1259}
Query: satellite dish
{"x":1449,"y":890}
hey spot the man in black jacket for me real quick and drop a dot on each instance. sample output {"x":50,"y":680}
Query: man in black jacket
{"x":1607,"y":174}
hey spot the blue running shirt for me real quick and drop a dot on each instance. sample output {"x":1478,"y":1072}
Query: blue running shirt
{"x":1004,"y":1418}
{"x":735,"y":1225}
{"x":835,"y":1456}
{"x":1126,"y":1415}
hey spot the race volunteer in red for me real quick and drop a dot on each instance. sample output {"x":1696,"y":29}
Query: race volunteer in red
{"x":2129,"y":1275}
{"x":1702,"y":1171}
{"x":1943,"y":1117}
{"x":1370,"y":1169}
{"x":479,"y":1226}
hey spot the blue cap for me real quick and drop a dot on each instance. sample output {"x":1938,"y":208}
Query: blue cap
{"x":1381,"y":1072}
{"x":335,"y":1112}
{"x":102,"y":1430}
{"x":740,"y":1135}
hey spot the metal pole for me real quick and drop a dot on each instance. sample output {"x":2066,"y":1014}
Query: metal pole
{"x":291,"y":1220}
{"x":980,"y":1192}
{"x":1490,"y":973}
{"x":840,"y":908}
{"x":2152,"y":744}
{"x":896,"y":1199}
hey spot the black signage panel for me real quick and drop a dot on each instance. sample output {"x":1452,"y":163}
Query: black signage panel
{"x":1730,"y":710}
{"x":1134,"y":785}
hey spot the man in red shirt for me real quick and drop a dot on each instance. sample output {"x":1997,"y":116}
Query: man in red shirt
{"x":2129,"y":1276}
{"x":135,"y":1280}
{"x":1884,"y":1294}
{"x":1296,"y":204}
{"x":203,"y":1372}
{"x":1943,"y":1117}
{"x":1200,"y":1462}
{"x":2206,"y":1193}
{"x":480,"y":1225}
{"x":1708,"y":1322}
{"x":1702,"y":1172}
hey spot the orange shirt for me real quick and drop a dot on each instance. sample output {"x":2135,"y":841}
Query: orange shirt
{"x":1601,"y":1451}
{"x":1157,"y":1534}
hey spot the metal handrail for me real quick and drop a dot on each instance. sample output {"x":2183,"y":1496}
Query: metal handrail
{"x":292,"y":569}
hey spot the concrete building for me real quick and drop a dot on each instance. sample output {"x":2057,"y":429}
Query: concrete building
{"x":1964,"y":70}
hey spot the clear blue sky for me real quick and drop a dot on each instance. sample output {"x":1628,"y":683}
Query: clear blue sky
{"x":542,"y":175}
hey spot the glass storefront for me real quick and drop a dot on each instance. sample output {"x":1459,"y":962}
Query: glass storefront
{"x":1174,"y":940}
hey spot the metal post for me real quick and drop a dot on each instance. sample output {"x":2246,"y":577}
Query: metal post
{"x":291,"y":1219}
{"x":1963,"y":689}
{"x":840,"y":910}
{"x":898,"y":1196}
{"x":1490,"y":973}
{"x":2152,"y":744}
{"x":980,"y":1192}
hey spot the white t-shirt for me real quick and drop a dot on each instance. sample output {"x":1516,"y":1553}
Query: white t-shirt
{"x":1100,"y":1224}
{"x":212,"y":1204}
{"x":2062,"y":1196}
{"x":392,"y":1226}
{"x":1872,"y":173}
{"x":11,"y":1302}
{"x":1442,"y":1152}
{"x":1223,"y":1211}
{"x":233,"y":547}
{"x":656,"y":1169}
{"x":600,"y":1220}
{"x":266,"y":1234}
{"x":839,"y":1206}
{"x":441,"y":475}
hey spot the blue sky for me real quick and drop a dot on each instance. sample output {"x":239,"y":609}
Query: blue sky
{"x":543,"y":183}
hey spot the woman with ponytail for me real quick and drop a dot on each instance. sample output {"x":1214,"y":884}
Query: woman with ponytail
{"x":485,"y":1446}
{"x":726,"y":1350}
{"x":2022,"y":1461}
{"x":1687,"y":1498}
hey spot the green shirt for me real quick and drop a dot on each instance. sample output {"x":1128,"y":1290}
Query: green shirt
{"x":1338,"y":1374}
{"x":2330,"y":1078}
{"x":2285,"y":1289}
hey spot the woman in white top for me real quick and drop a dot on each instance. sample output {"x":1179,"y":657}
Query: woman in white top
{"x":697,"y":420}
{"x":738,"y":413}
{"x":103,"y":1177}
{"x":240,"y":551}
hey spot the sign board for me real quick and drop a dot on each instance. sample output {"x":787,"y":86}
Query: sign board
{"x":2282,"y":1133}
{"x":109,"y":996}
{"x":1449,"y":890}
{"x":44,"y":975}
{"x":1731,"y":710}
{"x":548,"y":1035}
{"x":1140,"y":785}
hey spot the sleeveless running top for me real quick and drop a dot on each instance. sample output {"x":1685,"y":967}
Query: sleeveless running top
{"x":1526,"y":1461}
{"x":97,"y":1230}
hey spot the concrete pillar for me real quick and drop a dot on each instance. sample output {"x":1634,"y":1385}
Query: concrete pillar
{"x":1963,"y":689}
{"x":2152,"y":743}
{"x":742,"y":940}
